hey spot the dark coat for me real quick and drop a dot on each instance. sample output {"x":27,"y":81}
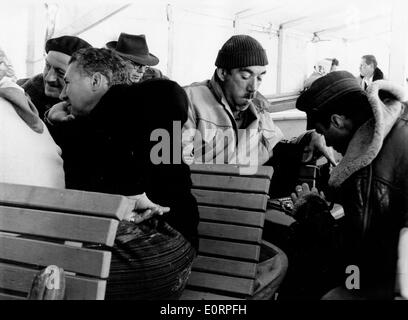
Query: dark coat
{"x":109,"y":150}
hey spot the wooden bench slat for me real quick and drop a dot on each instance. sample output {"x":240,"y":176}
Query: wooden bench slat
{"x":250,"y":218}
{"x":58,"y":225}
{"x":74,"y":259}
{"x":77,"y":288}
{"x":230,"y":249}
{"x":230,"y":199}
{"x":228,"y":267}
{"x":223,"y":283}
{"x":231,"y":183}
{"x":199,"y":295}
{"x":232,"y":232}
{"x":232,"y":170}
{"x":5,"y":296}
{"x":92,"y":203}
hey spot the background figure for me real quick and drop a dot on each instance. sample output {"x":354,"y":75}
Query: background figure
{"x":28,"y":154}
{"x":44,"y":88}
{"x":321,"y":68}
{"x":139,"y":61}
{"x":334,"y":65}
{"x":369,"y":71}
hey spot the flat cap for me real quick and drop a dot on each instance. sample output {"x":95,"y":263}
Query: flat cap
{"x":325,"y":91}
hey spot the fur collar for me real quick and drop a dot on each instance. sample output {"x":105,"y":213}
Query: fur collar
{"x":368,"y":139}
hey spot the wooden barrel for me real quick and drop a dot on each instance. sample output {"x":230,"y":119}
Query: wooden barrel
{"x":149,"y":261}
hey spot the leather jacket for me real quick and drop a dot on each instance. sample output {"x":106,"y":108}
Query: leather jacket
{"x":375,"y":201}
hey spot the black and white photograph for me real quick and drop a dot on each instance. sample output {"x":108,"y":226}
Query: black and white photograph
{"x":202,"y":156}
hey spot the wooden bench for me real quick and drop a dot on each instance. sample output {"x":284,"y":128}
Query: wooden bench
{"x":70,"y":229}
{"x":232,"y":213}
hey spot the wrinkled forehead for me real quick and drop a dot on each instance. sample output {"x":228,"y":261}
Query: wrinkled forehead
{"x":57,"y":59}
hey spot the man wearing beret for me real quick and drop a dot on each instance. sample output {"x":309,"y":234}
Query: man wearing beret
{"x":44,"y":89}
{"x":370,"y":130}
{"x":229,"y":122}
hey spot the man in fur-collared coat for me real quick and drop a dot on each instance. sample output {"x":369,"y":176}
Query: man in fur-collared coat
{"x":370,"y":130}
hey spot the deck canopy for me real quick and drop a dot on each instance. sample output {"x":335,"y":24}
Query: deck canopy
{"x":187,"y":34}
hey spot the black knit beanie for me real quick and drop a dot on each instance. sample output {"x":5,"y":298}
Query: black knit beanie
{"x":241,"y":51}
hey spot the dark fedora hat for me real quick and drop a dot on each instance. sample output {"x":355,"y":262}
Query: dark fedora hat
{"x":133,"y":47}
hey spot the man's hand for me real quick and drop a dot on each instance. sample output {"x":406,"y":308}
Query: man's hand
{"x":144,"y":209}
{"x":317,"y":148}
{"x":59,"y":113}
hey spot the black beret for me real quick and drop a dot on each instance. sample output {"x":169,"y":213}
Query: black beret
{"x":66,"y":44}
{"x":326,"y":90}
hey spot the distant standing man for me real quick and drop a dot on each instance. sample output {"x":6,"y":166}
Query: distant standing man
{"x":369,"y":71}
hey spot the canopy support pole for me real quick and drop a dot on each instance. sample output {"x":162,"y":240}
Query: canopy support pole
{"x":279,"y":67}
{"x":399,"y":43}
{"x":170,"y":43}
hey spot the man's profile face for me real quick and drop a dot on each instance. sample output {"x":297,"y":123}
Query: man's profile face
{"x":56,"y":64}
{"x":366,"y":70}
{"x":338,"y":139}
{"x":77,"y":91}
{"x":240,"y":85}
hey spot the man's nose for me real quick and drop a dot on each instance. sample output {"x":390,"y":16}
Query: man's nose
{"x":51,"y":75}
{"x":63,"y":94}
{"x":253,"y":85}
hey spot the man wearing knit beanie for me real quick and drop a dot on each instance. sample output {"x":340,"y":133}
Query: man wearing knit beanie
{"x":229,"y":120}
{"x":44,"y":89}
{"x":371,"y":182}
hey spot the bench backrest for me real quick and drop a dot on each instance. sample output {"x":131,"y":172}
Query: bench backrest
{"x":232,"y":212}
{"x":68,"y":228}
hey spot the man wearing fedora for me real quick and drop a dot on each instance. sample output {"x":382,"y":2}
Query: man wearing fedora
{"x":370,"y":130}
{"x":134,"y":49}
{"x":44,"y":89}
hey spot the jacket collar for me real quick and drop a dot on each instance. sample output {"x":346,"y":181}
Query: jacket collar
{"x":368,"y":139}
{"x":216,"y":89}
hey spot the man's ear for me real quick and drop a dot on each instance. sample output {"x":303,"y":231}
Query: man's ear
{"x":338,"y":120}
{"x":97,"y":80}
{"x":221,"y":72}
